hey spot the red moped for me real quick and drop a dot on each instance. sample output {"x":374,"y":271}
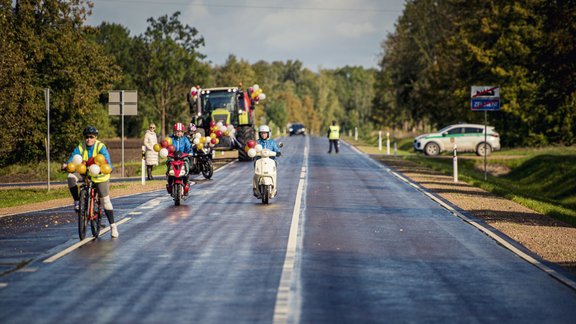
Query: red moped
{"x":177,"y":185}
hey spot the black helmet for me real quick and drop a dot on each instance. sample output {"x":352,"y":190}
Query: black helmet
{"x":90,"y":130}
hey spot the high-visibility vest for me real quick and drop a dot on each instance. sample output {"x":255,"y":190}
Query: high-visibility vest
{"x":334,"y":132}
{"x":84,"y":152}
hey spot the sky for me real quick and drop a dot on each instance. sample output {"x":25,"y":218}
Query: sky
{"x":323,"y":34}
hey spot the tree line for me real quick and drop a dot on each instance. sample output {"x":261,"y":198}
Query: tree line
{"x":437,"y":51}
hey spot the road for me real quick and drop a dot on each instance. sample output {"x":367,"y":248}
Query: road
{"x":345,"y":241}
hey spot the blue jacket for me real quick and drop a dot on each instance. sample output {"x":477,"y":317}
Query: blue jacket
{"x":269,"y":144}
{"x":181,"y":144}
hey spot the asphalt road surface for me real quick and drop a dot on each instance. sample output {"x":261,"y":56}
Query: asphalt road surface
{"x":344,"y":242}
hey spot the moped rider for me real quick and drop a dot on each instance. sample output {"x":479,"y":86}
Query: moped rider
{"x":264,"y":139}
{"x":181,"y":143}
{"x":88,"y":149}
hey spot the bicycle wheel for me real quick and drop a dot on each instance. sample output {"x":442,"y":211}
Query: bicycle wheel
{"x":83,"y":213}
{"x":96,"y":218}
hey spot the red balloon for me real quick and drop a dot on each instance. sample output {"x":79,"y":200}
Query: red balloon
{"x":213,"y":141}
{"x":90,"y":161}
{"x":218,"y":134}
{"x":251,"y":143}
{"x":171,"y":148}
{"x":164,"y":143}
{"x":212,"y":124}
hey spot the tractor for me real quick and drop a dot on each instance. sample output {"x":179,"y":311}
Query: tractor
{"x":224,"y":106}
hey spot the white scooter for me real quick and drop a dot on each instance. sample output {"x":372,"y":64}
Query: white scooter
{"x":264,"y":181}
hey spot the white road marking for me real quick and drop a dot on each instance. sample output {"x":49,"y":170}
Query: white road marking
{"x":84,"y":241}
{"x":287,"y":298}
{"x":3,"y":284}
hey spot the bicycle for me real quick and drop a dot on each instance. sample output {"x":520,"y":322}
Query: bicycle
{"x":90,"y":209}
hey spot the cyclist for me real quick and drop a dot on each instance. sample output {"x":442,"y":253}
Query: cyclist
{"x":88,"y":149}
{"x":181,"y":143}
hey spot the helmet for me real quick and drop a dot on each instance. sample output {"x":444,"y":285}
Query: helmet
{"x":179,"y":127}
{"x":90,"y":130}
{"x":264,"y":129}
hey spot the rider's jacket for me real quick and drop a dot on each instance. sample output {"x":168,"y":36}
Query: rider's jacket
{"x":334,"y":133}
{"x":91,"y":151}
{"x":181,"y":144}
{"x":268,"y":144}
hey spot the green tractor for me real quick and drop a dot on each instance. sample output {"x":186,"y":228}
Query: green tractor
{"x":225,"y":106}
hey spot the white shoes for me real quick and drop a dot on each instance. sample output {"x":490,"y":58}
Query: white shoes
{"x":114,"y":230}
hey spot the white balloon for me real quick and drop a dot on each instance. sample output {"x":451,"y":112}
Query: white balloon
{"x":223,"y":128}
{"x":76,"y":159}
{"x":251,"y":152}
{"x":255,"y":87}
{"x":219,"y":124}
{"x":163,"y":152}
{"x":230,"y":128}
{"x":207,"y":139}
{"x":197,"y":135}
{"x":196,"y":140}
{"x":94,"y":169}
{"x":261,"y":96}
{"x":258,"y":147}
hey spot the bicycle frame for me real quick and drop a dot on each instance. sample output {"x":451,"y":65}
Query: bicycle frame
{"x":90,"y":209}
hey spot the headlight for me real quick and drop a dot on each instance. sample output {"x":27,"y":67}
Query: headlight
{"x":171,"y":172}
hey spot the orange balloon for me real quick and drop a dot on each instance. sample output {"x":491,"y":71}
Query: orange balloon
{"x":70,"y":168}
{"x":81,"y":168}
{"x":105,"y":169}
{"x":100,"y":159}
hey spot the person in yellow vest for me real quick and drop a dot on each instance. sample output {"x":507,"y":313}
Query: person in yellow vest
{"x":88,"y":149}
{"x":334,"y":137}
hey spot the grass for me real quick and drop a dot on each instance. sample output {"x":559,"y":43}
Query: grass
{"x":542,"y":179}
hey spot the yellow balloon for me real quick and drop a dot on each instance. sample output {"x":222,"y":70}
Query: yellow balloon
{"x":70,"y":168}
{"x":169,"y":140}
{"x":226,"y":133}
{"x":106,"y":169}
{"x":81,"y":168}
{"x":199,"y":146}
{"x":100,"y":159}
{"x":157,"y":147}
{"x":212,"y":135}
{"x":217,"y":141}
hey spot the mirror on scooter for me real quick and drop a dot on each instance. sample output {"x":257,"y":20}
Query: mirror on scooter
{"x":280,"y":144}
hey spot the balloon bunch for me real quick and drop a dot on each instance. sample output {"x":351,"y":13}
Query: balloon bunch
{"x":256,"y":93}
{"x":164,"y":147}
{"x":95,"y":165}
{"x":202,"y":142}
{"x":219,"y":129}
{"x":252,"y":147}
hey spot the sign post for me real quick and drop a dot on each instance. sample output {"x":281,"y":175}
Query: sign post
{"x":123,"y":103}
{"x":47,"y":101}
{"x":485,"y":98}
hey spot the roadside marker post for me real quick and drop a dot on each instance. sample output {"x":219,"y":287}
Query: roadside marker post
{"x":388,"y":143}
{"x":380,"y":141}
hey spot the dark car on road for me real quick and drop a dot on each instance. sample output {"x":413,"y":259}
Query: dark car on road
{"x":297,"y":129}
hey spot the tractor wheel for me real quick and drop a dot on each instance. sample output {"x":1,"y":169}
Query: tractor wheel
{"x":244,"y":134}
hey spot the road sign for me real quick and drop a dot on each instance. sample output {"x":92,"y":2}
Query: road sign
{"x":126,"y":100}
{"x":484,"y":98}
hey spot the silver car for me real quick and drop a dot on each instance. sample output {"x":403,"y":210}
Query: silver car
{"x":466,"y":137}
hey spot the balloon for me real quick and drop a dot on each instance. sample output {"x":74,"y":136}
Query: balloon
{"x":196,"y":141}
{"x":226,"y":133}
{"x":251,"y":152}
{"x":218,"y":134}
{"x":258,"y":147}
{"x":94,"y":169}
{"x":251,"y":143}
{"x":217,"y":141}
{"x":157,"y":147}
{"x":219,"y":124}
{"x":212,"y":124}
{"x":255,"y":87}
{"x":230,"y":128}
{"x":169,"y":140}
{"x":213,"y":141}
{"x":71,"y":168}
{"x":171,"y":149}
{"x":246,"y":148}
{"x":212,"y":135}
{"x":90,"y":161}
{"x":200,"y":146}
{"x":76,"y":159}
{"x":163,"y":152}
{"x":81,"y":168}
{"x":106,"y":169}
{"x":100,"y":159}
{"x":197,"y":135}
{"x":207,"y":139}
{"x":164,"y":143}
{"x":261,"y":96}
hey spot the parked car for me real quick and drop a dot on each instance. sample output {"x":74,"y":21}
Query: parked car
{"x":467,"y":137}
{"x":297,"y":129}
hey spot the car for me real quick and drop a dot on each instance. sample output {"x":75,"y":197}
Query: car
{"x":297,"y":129}
{"x":466,"y":137}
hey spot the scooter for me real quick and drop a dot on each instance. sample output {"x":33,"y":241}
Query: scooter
{"x":176,"y":186}
{"x":264,"y":181}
